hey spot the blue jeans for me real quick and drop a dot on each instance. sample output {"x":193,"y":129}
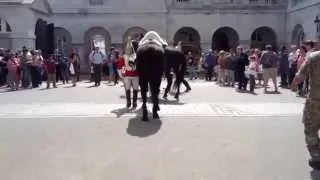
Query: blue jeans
{"x":192,"y":72}
{"x":26,"y":75}
{"x":110,"y":69}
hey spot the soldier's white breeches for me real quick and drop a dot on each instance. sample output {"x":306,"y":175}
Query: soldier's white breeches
{"x":131,"y":82}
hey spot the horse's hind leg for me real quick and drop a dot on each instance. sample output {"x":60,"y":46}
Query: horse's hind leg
{"x":155,"y":90}
{"x":179,"y":78}
{"x":169,"y":84}
{"x":144,"y":90}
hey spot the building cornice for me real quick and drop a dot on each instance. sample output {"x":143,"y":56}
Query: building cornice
{"x":302,"y":7}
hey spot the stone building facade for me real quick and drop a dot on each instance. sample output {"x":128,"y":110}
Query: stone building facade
{"x":199,"y":24}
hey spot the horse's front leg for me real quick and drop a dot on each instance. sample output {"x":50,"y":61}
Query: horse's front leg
{"x":178,"y":91}
{"x":178,"y":83}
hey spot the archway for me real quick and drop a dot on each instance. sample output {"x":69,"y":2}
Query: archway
{"x":97,"y":36}
{"x":297,"y":36}
{"x":225,"y":38}
{"x":263,"y":36}
{"x":190,"y":39}
{"x":136,"y":33}
{"x":63,"y":40}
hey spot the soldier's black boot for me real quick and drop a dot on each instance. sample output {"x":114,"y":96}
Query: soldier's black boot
{"x":315,"y":164}
{"x":128,"y":96}
{"x":134,"y":99}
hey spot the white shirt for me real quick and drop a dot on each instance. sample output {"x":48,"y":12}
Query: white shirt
{"x":291,"y":58}
{"x":97,"y":57}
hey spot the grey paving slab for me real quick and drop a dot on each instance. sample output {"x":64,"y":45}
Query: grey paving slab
{"x":241,"y":148}
{"x":211,"y":133}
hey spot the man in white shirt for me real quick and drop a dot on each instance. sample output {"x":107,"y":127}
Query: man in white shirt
{"x":292,"y":58}
{"x":96,"y":57}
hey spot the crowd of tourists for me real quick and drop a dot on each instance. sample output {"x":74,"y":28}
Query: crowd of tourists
{"x":28,"y":68}
{"x":246,"y":68}
{"x":252,"y":67}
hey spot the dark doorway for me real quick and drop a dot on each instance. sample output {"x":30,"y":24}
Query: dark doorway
{"x":263,"y":36}
{"x":44,"y":37}
{"x":225,"y":38}
{"x":40,"y":33}
{"x":221,"y":41}
{"x":50,"y":38}
{"x":190,"y":39}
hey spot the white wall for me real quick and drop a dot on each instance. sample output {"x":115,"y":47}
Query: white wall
{"x":116,"y":25}
{"x":22,"y":21}
{"x":303,"y":14}
{"x":244,"y":24}
{"x":114,"y":6}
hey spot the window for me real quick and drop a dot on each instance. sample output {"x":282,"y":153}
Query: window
{"x":4,"y":26}
{"x":8,"y":28}
{"x":96,"y":2}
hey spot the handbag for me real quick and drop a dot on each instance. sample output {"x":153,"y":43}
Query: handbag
{"x":71,"y":68}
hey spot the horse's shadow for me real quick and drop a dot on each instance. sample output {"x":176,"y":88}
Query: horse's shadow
{"x":137,"y":127}
{"x":161,"y":101}
{"x":122,"y":111}
{"x":315,"y":175}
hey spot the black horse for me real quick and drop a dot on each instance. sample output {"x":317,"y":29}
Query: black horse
{"x":175,"y":61}
{"x":150,"y":66}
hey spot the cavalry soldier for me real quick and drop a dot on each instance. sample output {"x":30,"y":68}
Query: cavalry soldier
{"x":311,"y":114}
{"x":130,"y":74}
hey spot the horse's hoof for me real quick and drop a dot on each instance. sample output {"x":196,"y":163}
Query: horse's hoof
{"x":176,"y":97}
{"x":145,"y":118}
{"x":134,"y":106}
{"x":156,"y":116}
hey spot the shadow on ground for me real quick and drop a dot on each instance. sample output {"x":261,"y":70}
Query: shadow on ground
{"x":139,"y":128}
{"x":122,"y":111}
{"x":315,"y":175}
{"x":161,"y":101}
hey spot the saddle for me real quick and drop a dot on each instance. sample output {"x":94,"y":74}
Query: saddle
{"x":153,"y":37}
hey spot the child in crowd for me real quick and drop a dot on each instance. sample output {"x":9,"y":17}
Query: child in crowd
{"x":253,"y":70}
{"x":50,"y":67}
{"x":13,"y":72}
